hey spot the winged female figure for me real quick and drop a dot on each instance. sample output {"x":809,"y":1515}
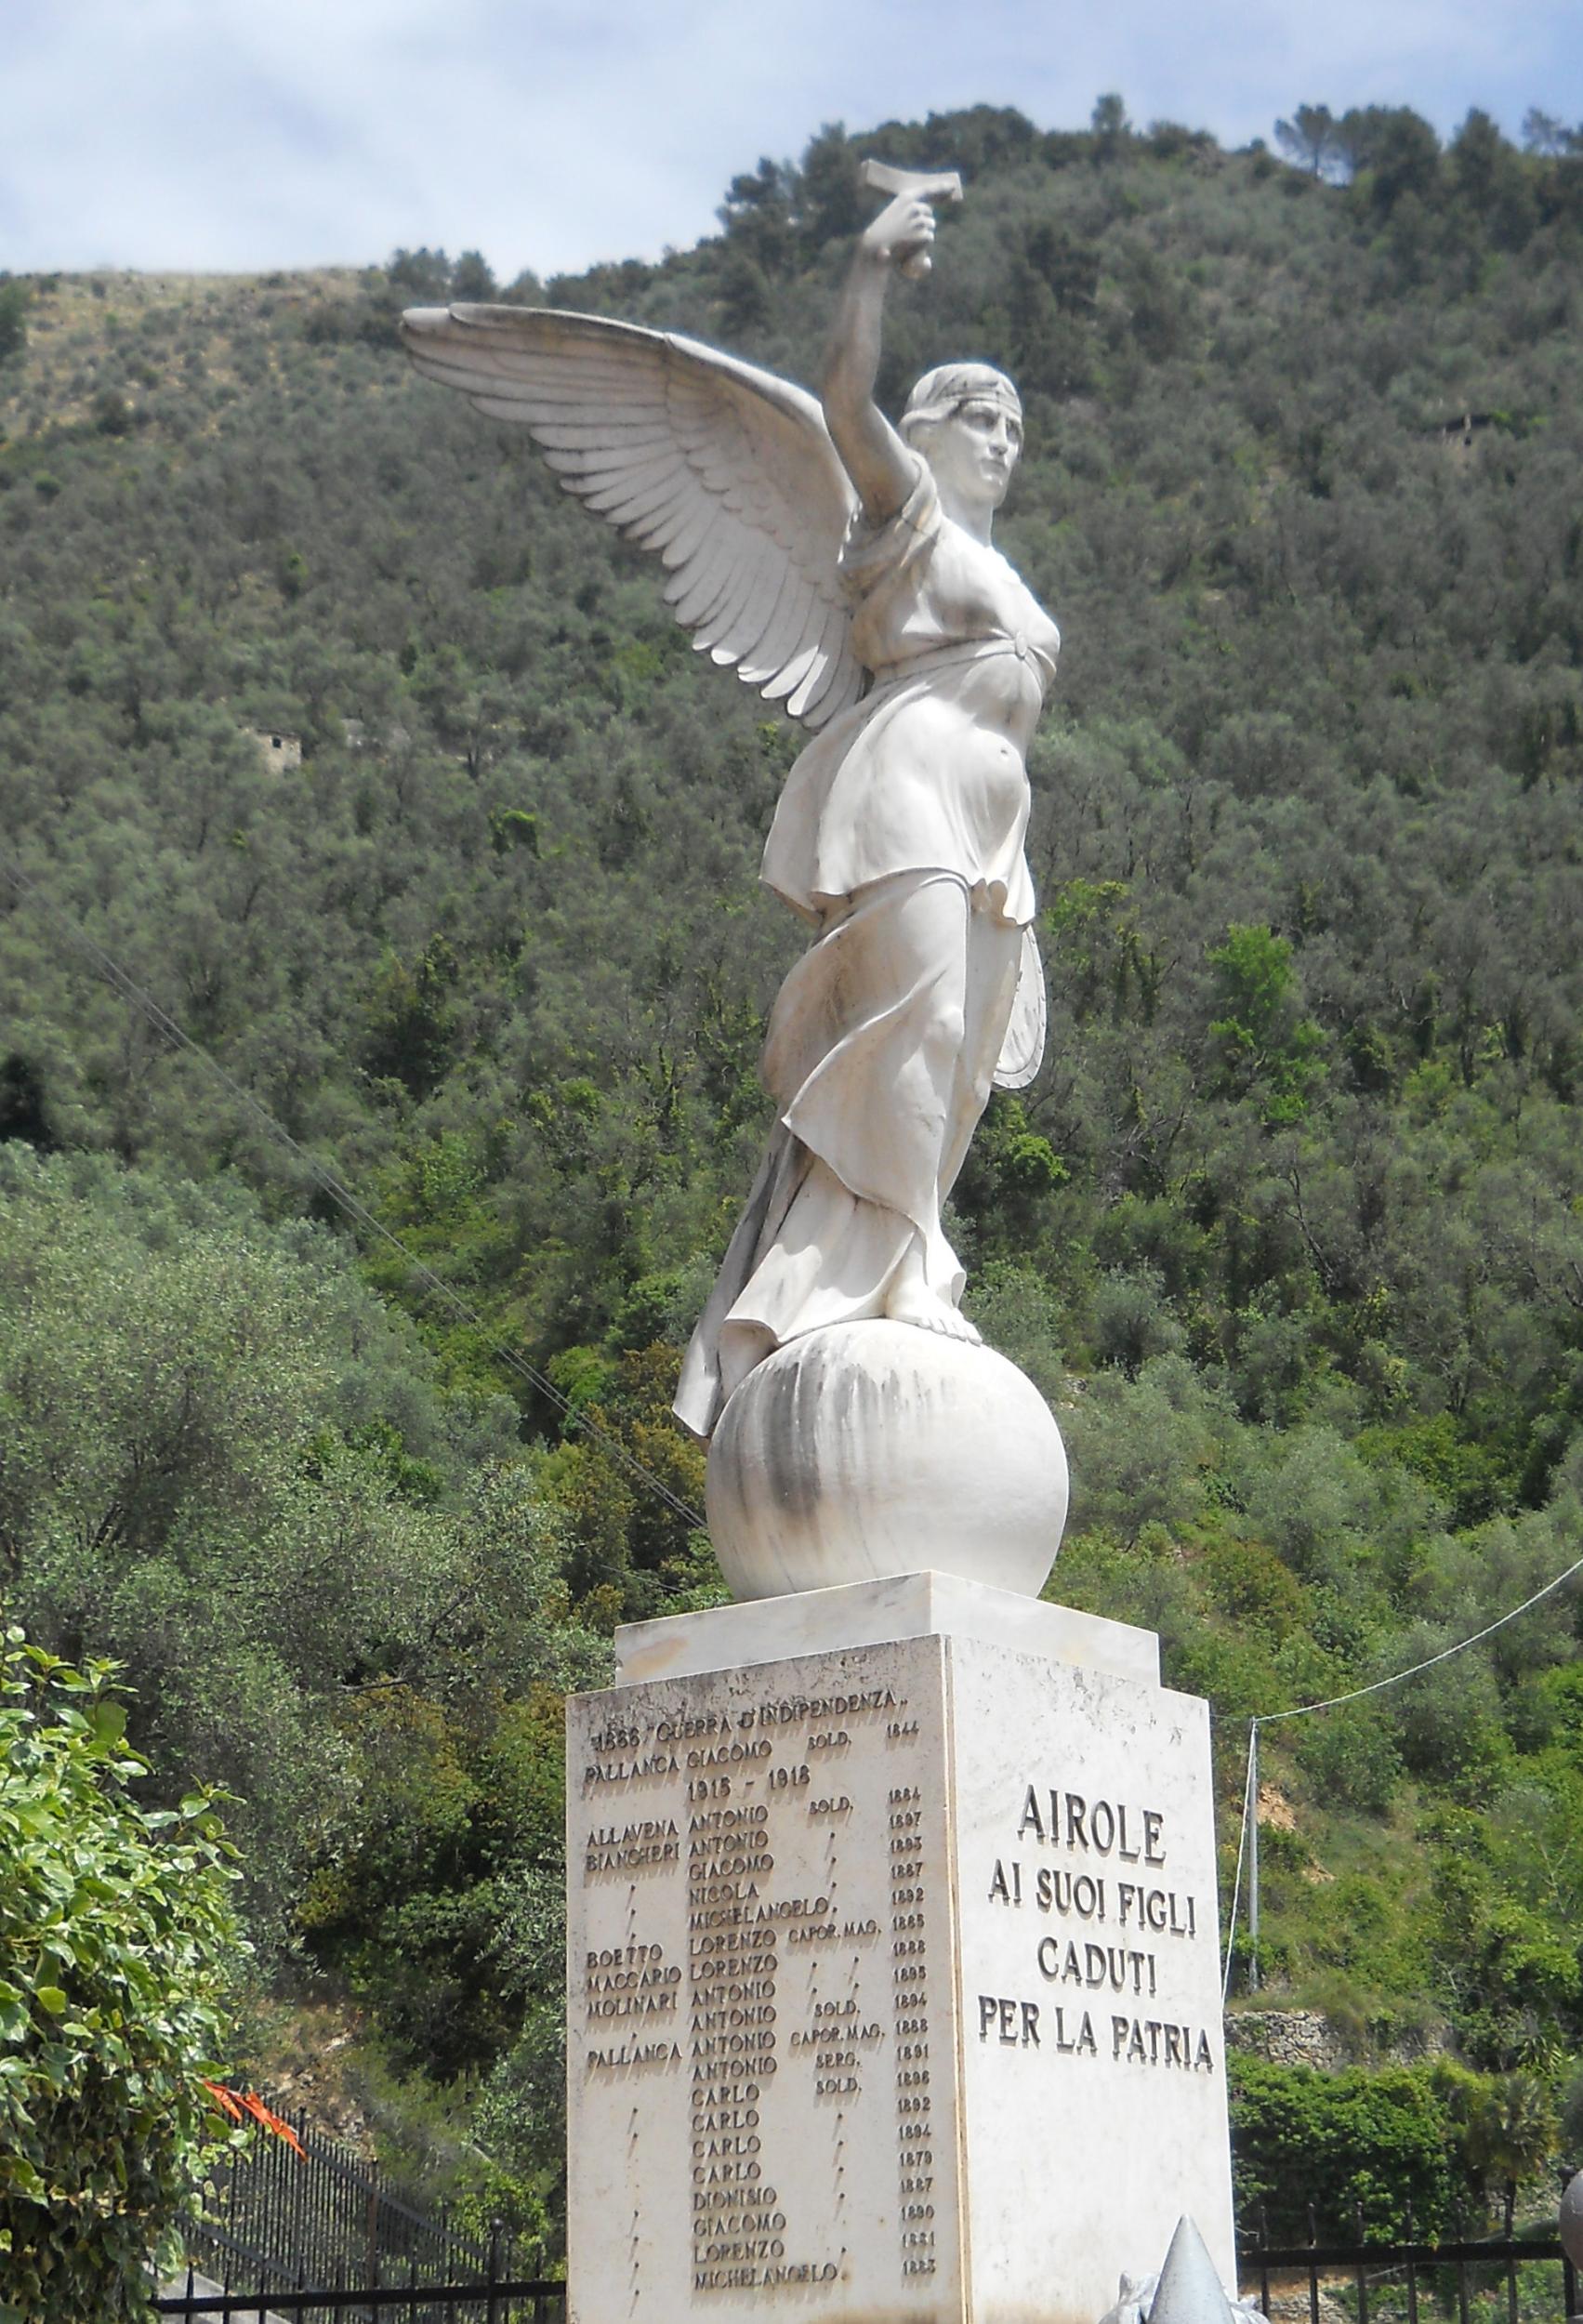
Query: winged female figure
{"x":846,"y":568}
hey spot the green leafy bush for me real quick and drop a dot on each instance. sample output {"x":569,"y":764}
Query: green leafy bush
{"x":1340,"y":2142}
{"x":118,"y":1944}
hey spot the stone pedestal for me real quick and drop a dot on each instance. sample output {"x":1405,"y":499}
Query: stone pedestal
{"x":894,"y":1986}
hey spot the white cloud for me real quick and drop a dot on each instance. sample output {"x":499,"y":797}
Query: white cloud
{"x":217,"y":133}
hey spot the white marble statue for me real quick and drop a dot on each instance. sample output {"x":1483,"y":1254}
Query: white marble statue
{"x":846,"y":568}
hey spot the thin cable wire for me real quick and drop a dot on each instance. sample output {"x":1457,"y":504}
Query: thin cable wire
{"x":1269,"y":1718}
{"x":131,"y":990}
{"x":1241,"y":1847}
{"x":1353,"y":1695}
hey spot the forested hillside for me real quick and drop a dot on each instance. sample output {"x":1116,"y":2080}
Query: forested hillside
{"x":1290,"y":1226}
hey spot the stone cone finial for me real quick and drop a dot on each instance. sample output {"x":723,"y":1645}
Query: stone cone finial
{"x":1189,"y":2291}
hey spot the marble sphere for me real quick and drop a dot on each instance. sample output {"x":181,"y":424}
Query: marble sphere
{"x":1571,"y":2222}
{"x":873,"y":1448}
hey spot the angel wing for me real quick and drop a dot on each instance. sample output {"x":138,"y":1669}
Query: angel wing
{"x":724,"y":470}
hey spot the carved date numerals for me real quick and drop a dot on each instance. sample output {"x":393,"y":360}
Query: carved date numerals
{"x":910,"y":2025}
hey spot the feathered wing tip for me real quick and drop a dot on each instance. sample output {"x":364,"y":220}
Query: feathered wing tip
{"x":725,"y":472}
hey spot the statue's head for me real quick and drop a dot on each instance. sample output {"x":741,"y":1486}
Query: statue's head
{"x":966,"y":419}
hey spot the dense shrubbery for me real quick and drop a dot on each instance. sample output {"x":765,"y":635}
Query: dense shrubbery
{"x":1412,"y":2151}
{"x":228,"y":1463}
{"x":1378,"y":2144}
{"x":1289,"y":1223}
{"x":119,"y":1960}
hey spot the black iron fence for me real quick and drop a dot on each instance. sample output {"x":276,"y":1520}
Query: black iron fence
{"x":326,"y":2215}
{"x":1493,"y":2280}
{"x":254,"y":2296}
{"x":1504,"y":2280}
{"x":306,"y":2234}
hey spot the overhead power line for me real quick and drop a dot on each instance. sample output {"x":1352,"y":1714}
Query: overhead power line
{"x":1247,"y":1841}
{"x":166,"y":1026}
{"x":1301,"y":1710}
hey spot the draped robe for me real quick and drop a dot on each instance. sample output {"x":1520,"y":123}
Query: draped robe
{"x":899,"y":838}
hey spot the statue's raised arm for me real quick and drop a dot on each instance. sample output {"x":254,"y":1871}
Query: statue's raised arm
{"x":873,"y":454}
{"x":845,"y":566}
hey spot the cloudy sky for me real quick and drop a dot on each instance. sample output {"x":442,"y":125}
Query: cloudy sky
{"x":249,"y":134}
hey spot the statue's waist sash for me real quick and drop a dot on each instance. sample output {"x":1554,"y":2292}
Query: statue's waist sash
{"x":915,"y":666}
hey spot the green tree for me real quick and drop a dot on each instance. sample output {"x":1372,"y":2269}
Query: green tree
{"x":1266,"y":1043}
{"x":14,"y":304}
{"x":473,"y":277}
{"x":1492,"y":181}
{"x":1392,"y":150}
{"x":227,"y":1465}
{"x":758,"y":215}
{"x":1544,"y":133}
{"x":830,"y":200}
{"x":1139,"y":1449}
{"x":456,"y":1793}
{"x":1511,"y":1978}
{"x":118,"y":1952}
{"x":522,"y":2116}
{"x":1109,"y":125}
{"x":422,"y":274}
{"x":1382,"y":2142}
{"x":1309,"y":138}
{"x":1508,"y":2125}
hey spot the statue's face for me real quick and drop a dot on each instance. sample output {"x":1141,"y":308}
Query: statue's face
{"x":973,"y":452}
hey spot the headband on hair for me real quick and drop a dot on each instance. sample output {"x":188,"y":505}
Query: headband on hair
{"x":949,"y":385}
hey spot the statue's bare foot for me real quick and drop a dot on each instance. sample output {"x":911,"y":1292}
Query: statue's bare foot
{"x":917,"y":1304}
